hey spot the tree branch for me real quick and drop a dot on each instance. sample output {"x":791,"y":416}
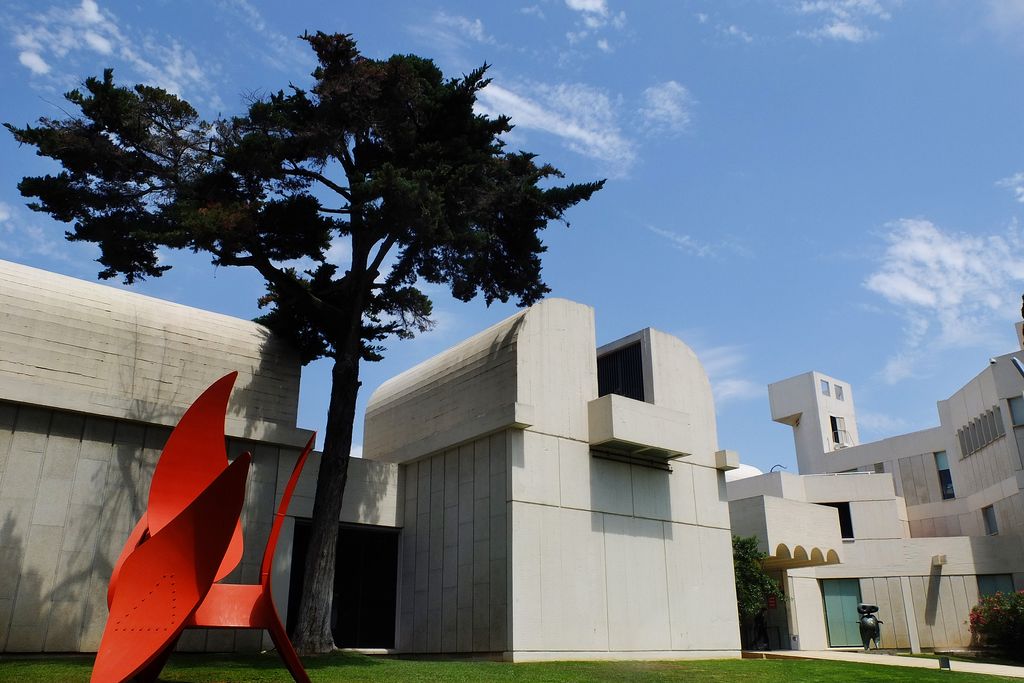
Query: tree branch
{"x":313,"y":175}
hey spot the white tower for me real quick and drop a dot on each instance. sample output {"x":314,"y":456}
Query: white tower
{"x":820,"y":410}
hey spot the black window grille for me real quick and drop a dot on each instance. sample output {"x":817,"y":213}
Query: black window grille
{"x":621,"y":372}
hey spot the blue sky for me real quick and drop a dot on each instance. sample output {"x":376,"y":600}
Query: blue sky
{"x":804,"y":184}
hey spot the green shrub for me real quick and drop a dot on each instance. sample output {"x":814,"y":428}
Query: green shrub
{"x":998,"y":621}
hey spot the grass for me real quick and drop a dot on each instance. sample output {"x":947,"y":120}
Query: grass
{"x":352,"y":667}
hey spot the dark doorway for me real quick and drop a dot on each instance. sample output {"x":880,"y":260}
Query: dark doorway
{"x":365,"y":584}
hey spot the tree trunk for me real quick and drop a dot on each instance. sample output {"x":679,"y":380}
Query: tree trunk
{"x":313,"y":631}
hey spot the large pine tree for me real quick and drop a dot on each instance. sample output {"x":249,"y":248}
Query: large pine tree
{"x":387,"y":154}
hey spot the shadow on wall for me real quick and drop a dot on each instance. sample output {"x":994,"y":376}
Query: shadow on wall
{"x":25,"y":595}
{"x":641,"y":494}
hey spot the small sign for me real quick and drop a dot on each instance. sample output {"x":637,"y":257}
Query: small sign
{"x":771,"y":602}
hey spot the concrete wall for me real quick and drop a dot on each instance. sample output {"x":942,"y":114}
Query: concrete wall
{"x":94,"y":349}
{"x":91,"y":380}
{"x":71,"y":489}
{"x":454,"y":553}
{"x":565,"y":555}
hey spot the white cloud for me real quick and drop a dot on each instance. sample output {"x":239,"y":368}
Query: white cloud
{"x":881,"y":425}
{"x":684,"y":243}
{"x":594,"y":17}
{"x":599,"y":7}
{"x":724,"y":367}
{"x":283,"y":52}
{"x":36,"y":64}
{"x":583,"y":117}
{"x":21,"y":238}
{"x":1006,"y":17}
{"x":841,"y":30}
{"x":533,"y":10}
{"x":666,"y":108}
{"x":735,"y":31}
{"x":1015,"y":182}
{"x":473,"y":29}
{"x":951,"y":289}
{"x":845,"y":20}
{"x":50,"y":43}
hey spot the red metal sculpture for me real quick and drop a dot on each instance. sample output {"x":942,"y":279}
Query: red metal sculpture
{"x":190,"y":537}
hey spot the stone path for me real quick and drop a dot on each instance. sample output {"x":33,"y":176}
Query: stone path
{"x":893,"y":660}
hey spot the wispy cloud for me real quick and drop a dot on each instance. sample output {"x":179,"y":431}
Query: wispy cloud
{"x":734,"y":31}
{"x":584,"y":118}
{"x":1015,"y":182}
{"x":724,"y":366}
{"x":880,"y":425}
{"x":695,"y":247}
{"x":451,"y":36}
{"x":844,"y":20}
{"x":666,"y":108}
{"x":683,"y":242}
{"x":593,"y":19}
{"x":50,"y":43}
{"x":1006,"y":18}
{"x":21,"y":237}
{"x":952,"y":289}
{"x":280,"y":51}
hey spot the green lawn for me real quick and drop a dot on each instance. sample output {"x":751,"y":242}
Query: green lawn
{"x":350,"y":667}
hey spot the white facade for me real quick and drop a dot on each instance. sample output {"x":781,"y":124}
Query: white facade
{"x":91,"y":380}
{"x":540,"y":520}
{"x":932,"y":518}
{"x":533,"y":518}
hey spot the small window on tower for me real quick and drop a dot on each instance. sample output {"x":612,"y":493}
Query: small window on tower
{"x":988,"y":514}
{"x":824,"y":388}
{"x":945,"y":477}
{"x":839,"y":391}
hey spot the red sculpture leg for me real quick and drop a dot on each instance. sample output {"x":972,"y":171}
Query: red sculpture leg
{"x":252,"y":606}
{"x":166,"y":578}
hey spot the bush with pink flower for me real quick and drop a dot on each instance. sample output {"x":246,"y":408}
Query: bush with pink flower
{"x":997,"y":621}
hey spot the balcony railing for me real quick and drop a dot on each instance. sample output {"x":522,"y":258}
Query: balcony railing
{"x":841,"y":439}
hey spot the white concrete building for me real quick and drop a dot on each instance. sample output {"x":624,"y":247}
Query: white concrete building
{"x":524,"y":494}
{"x":927,"y":521}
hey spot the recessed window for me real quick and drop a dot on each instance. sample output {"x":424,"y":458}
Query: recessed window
{"x":989,"y":515}
{"x":990,"y":584}
{"x":840,"y":438}
{"x":879,"y":468}
{"x":1017,"y":410}
{"x":839,"y":391}
{"x":945,"y":477}
{"x":621,"y":372}
{"x":845,"y":518}
{"x":824,"y":388}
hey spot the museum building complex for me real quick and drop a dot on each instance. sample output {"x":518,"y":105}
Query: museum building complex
{"x":525,"y":494}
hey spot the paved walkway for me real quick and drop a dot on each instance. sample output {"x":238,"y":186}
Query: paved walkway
{"x":894,"y":660}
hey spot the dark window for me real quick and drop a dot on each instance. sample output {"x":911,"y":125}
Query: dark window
{"x":989,"y":515}
{"x":621,"y":372}
{"x":845,"y":519}
{"x":945,"y":477}
{"x":990,"y":584}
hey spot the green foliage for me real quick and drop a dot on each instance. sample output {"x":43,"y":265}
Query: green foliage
{"x":386,"y":154}
{"x":998,"y":621}
{"x":753,"y":585}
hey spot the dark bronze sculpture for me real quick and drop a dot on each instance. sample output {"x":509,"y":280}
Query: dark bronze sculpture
{"x":870,"y":625}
